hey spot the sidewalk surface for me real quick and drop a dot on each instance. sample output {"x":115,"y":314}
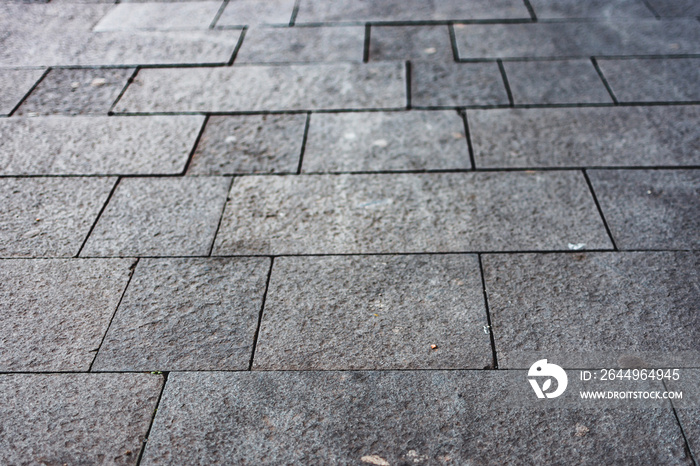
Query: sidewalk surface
{"x":338,"y":232}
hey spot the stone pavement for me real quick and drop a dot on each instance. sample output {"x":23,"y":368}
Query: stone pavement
{"x":340,"y":232}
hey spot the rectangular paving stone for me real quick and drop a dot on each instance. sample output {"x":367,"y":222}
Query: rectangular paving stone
{"x":555,"y":82}
{"x":374,"y":312}
{"x":687,"y":410}
{"x":97,"y":145}
{"x":56,"y":311}
{"x":249,"y":144}
{"x":653,"y":80}
{"x":591,"y":308}
{"x":159,"y":217}
{"x":456,"y":84}
{"x":315,"y":11}
{"x":561,"y":9}
{"x":378,"y":141}
{"x":585,"y":137}
{"x":675,"y":8}
{"x":395,"y":417}
{"x":76,"y":92}
{"x":49,"y":216}
{"x":259,"y":88}
{"x":410,"y":43}
{"x":76,"y":418}
{"x":302,"y":45}
{"x":650,"y":209}
{"x":255,"y":12}
{"x":14,"y":85}
{"x":159,"y":16}
{"x":577,"y":38}
{"x":438,"y":212}
{"x":187,"y":314}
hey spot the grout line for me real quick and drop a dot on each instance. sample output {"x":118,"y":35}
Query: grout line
{"x":494,"y":362}
{"x":238,"y":46}
{"x":221,"y":217}
{"x":422,"y":22}
{"x":295,"y":12}
{"x":530,"y":10}
{"x":365,"y":51}
{"x":260,"y":316}
{"x":651,"y":8}
{"x":130,"y":80}
{"x":194,"y":146}
{"x":467,"y":135}
{"x":502,"y":69}
{"x":605,"y":81}
{"x":408,"y":84}
{"x":688,"y":450}
{"x":303,"y":142}
{"x":99,"y":214}
{"x":153,"y":418}
{"x":31,"y":89}
{"x":223,"y":6}
{"x":453,"y":42}
{"x":600,"y":209}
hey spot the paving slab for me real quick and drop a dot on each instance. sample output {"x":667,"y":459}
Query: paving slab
{"x":562,"y":9}
{"x":260,"y":88}
{"x":56,"y":311}
{"x":14,"y":85}
{"x":569,"y":39}
{"x":374,"y":312}
{"x":76,"y":418}
{"x":592,"y":308}
{"x":249,"y":144}
{"x":650,"y":209}
{"x":393,"y":417}
{"x":688,"y":413}
{"x":76,"y":92}
{"x":60,"y":145}
{"x":410,"y":43}
{"x":187,"y":314}
{"x":555,"y":82}
{"x":49,"y":216}
{"x":302,"y":45}
{"x":675,"y":8}
{"x":383,"y":141}
{"x":159,"y":217}
{"x":438,"y":212}
{"x":653,"y":80}
{"x":456,"y":84}
{"x":255,"y":12}
{"x":585,"y":137}
{"x":320,"y":11}
{"x":159,"y":16}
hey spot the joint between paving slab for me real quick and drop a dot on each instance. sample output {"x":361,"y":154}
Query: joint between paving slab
{"x":31,"y":89}
{"x":218,"y":14}
{"x":600,"y":209}
{"x":365,"y":51}
{"x":530,"y":10}
{"x":688,"y":449}
{"x":652,"y":9}
{"x":605,"y":81}
{"x":221,"y":216}
{"x":453,"y":42}
{"x":467,"y":136}
{"x":153,"y":417}
{"x":408,"y":84}
{"x":110,"y":112}
{"x":303,"y":142}
{"x":194,"y":146}
{"x":494,"y":362}
{"x":502,"y":69}
{"x":295,"y":12}
{"x":260,"y":316}
{"x":99,"y":214}
{"x":238,"y":46}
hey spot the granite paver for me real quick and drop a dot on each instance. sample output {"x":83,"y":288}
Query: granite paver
{"x":161,"y":16}
{"x":585,"y":137}
{"x":255,"y":12}
{"x":159,"y":217}
{"x":438,"y":212}
{"x":592,"y":308}
{"x":14,"y":85}
{"x":561,"y":9}
{"x":75,"y":418}
{"x":249,"y":144}
{"x":56,"y":311}
{"x":377,"y":141}
{"x":653,"y":80}
{"x":97,"y":145}
{"x":49,"y":216}
{"x":374,"y":312}
{"x":675,"y":8}
{"x":410,"y":43}
{"x":650,"y":209}
{"x":186,"y":314}
{"x":688,"y":410}
{"x":555,"y":82}
{"x":260,"y":88}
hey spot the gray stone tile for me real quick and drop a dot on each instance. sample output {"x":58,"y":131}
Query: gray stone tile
{"x":561,"y":9}
{"x":394,"y":417}
{"x":591,"y":308}
{"x":254,"y":12}
{"x":159,"y":217}
{"x":249,"y":144}
{"x":374,"y":312}
{"x":438,"y":212}
{"x":159,"y":16}
{"x":456,"y":84}
{"x":76,"y":418}
{"x":410,"y":43}
{"x":76,"y":92}
{"x":314,"y":11}
{"x":555,"y":82}
{"x":14,"y":85}
{"x":655,"y":209}
{"x":302,"y":45}
{"x":97,"y":145}
{"x":377,"y":141}
{"x":578,"y":39}
{"x":186,"y":314}
{"x":586,"y":137}
{"x":49,"y":216}
{"x":653,"y":80}
{"x":259,"y":88}
{"x":675,"y":8}
{"x":56,"y":311}
{"x":687,"y":409}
